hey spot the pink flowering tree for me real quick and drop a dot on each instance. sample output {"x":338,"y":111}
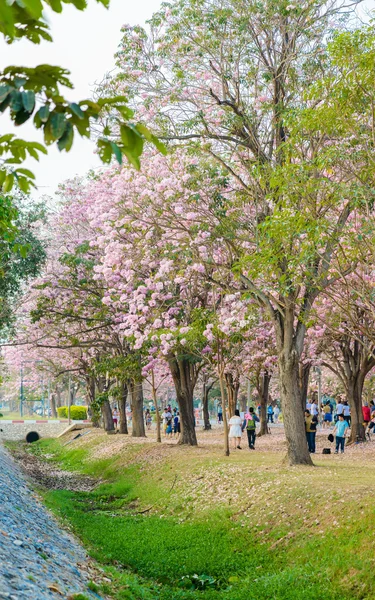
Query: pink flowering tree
{"x":233,"y":86}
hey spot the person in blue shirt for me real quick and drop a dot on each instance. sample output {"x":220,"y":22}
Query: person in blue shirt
{"x":340,"y":431}
{"x":270,"y":413}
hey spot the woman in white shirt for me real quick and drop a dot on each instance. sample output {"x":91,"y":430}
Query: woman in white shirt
{"x":235,"y":429}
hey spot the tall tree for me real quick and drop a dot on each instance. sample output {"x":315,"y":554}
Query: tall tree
{"x":257,"y":107}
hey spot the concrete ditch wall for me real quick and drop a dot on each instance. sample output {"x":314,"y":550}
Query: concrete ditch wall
{"x":14,"y":431}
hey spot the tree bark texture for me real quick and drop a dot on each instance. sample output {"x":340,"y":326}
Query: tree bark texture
{"x":225,"y":420}
{"x":184,"y":377}
{"x":155,"y":400}
{"x":304,"y":376}
{"x":205,"y":392}
{"x":90,"y":395}
{"x":138,"y":422}
{"x":107,"y":416}
{"x":263,"y":386}
{"x":53,"y":405}
{"x":122,"y":408}
{"x":294,"y":422}
{"x":232,"y":385}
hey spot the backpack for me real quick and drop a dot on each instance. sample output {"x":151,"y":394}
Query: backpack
{"x":251,"y":424}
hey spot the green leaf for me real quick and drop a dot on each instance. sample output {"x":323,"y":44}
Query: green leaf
{"x":66,"y":141}
{"x":127,"y":136}
{"x":56,"y":5}
{"x":159,"y":145}
{"x":33,"y":7}
{"x":8,"y":183}
{"x":21,"y":117}
{"x":28,"y":100}
{"x":144,"y":131}
{"x":15,"y":100}
{"x":43,"y":113}
{"x":77,"y":110}
{"x":117,"y":152}
{"x":19,"y":82}
{"x":6,"y":138}
{"x":105,"y":150}
{"x":57,"y":124}
{"x":4,"y":91}
{"x":26,"y":172}
{"x":23,"y":184}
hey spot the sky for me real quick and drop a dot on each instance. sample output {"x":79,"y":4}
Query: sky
{"x":84,"y":43}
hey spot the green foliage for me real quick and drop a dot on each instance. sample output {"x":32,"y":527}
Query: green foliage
{"x":22,"y":253}
{"x":34,"y":92}
{"x":77,"y":413}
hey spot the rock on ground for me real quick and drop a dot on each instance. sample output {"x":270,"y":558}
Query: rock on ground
{"x":38,"y":560}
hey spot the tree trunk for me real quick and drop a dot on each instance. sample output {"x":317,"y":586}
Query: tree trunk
{"x":225,"y":420}
{"x":304,"y":376}
{"x":94,"y":412}
{"x":232,"y":391}
{"x":53,"y":405}
{"x":294,"y":422}
{"x":58,"y":398}
{"x":184,"y":379}
{"x":122,"y":408}
{"x":107,"y":416}
{"x":354,"y":397}
{"x":263,"y":392}
{"x":243,"y":403}
{"x":206,"y":415}
{"x":138,"y":422}
{"x":154,"y":397}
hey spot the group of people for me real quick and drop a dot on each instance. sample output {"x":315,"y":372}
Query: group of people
{"x":340,"y":417}
{"x":171,"y":422}
{"x":339,"y":432}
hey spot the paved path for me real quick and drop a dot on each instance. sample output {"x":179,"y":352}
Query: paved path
{"x":38,"y":560}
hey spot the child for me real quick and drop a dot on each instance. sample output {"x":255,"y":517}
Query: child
{"x":168,"y":431}
{"x":340,"y":430}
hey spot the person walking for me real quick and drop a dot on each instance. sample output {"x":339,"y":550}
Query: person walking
{"x":276,"y":414}
{"x":270,"y":412}
{"x":148,"y":419}
{"x":314,"y":410}
{"x":311,"y":422}
{"x":219,"y":414}
{"x":340,"y":430}
{"x":327,"y":415}
{"x":346,"y":413}
{"x":366,"y":413}
{"x":235,"y":432}
{"x":167,"y":418}
{"x":339,"y":409}
{"x":115,"y":417}
{"x":176,"y":425}
{"x":251,"y":420}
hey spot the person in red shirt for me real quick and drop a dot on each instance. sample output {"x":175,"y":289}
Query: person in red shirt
{"x":366,"y":414}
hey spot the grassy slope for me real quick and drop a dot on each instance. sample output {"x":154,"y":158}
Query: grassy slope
{"x":261,"y":531}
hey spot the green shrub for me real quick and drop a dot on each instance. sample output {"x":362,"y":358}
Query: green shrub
{"x":77,"y":413}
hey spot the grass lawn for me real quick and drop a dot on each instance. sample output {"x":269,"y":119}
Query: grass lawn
{"x":175,"y":523}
